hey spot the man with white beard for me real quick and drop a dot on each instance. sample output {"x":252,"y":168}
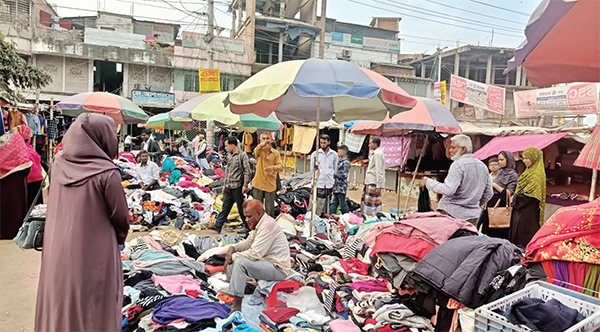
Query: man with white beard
{"x":467,"y":186}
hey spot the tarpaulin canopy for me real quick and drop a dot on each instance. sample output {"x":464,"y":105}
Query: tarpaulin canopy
{"x":589,"y":156}
{"x":517,"y":143}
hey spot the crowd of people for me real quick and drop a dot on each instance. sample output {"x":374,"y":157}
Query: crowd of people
{"x":84,"y":174}
{"x":470,"y":190}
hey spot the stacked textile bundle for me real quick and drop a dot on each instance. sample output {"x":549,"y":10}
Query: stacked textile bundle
{"x":568,"y":247}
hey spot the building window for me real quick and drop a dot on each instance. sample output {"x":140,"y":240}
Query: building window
{"x":191,"y":82}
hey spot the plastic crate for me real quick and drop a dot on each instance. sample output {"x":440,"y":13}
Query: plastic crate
{"x":486,"y":320}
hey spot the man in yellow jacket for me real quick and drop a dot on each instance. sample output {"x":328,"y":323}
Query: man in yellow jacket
{"x":268,"y":165}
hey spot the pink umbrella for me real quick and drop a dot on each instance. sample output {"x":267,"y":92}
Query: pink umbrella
{"x":562,"y":43}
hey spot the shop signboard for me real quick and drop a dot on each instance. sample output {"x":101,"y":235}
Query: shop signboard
{"x":477,"y":94}
{"x":574,"y":99}
{"x":156,"y":98}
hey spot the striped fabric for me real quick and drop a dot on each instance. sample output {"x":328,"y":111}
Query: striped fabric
{"x":354,"y":141}
{"x":589,"y":156}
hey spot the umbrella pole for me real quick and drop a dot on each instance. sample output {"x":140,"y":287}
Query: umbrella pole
{"x":315,"y":173}
{"x":400,"y":174}
{"x":414,"y":176}
{"x":594,"y":181}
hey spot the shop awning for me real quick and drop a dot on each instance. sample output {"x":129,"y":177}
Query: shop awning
{"x":516,"y":143}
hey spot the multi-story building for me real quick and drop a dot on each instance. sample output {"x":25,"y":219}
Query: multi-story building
{"x":143,"y":60}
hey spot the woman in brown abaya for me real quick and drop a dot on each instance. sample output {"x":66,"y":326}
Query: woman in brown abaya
{"x":81,"y":280}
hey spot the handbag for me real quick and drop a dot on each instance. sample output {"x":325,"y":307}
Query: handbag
{"x":499,"y":217}
{"x":31,"y":233}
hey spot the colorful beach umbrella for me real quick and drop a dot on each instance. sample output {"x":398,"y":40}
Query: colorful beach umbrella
{"x":164,"y":121}
{"x":427,"y":115}
{"x":562,"y":43}
{"x":207,"y":107}
{"x":121,"y":109}
{"x":210,"y":107}
{"x":298,"y":90}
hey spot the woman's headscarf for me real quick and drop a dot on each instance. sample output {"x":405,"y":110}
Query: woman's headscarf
{"x":507,"y":176}
{"x":89,"y":147}
{"x":533,"y":181}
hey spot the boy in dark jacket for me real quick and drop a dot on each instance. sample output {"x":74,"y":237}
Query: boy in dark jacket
{"x":340,"y":186}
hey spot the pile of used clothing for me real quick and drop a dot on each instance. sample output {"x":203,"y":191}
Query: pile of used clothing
{"x":356,"y":273}
{"x":166,"y":289}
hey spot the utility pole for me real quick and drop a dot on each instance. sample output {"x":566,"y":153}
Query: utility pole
{"x":439,"y":68}
{"x":209,"y":38}
{"x":322,"y":33}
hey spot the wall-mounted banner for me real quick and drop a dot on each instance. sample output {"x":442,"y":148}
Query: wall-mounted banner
{"x":561,"y":100}
{"x":439,"y":92}
{"x":478,"y":94}
{"x":210,"y":80}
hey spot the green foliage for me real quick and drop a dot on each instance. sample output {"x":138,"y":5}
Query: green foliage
{"x":17,"y":74}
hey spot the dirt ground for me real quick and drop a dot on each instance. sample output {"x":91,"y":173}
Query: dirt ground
{"x":19,"y":271}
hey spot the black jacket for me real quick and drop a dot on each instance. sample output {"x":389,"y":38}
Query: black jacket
{"x":462,"y":268}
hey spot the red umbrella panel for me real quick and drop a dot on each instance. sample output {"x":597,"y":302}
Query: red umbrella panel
{"x":427,"y":115}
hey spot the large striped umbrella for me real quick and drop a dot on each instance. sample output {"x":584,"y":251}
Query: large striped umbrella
{"x":210,"y":107}
{"x":319,"y":90}
{"x":121,"y":109}
{"x":589,"y":156}
{"x":299,"y":90}
{"x":427,"y":115}
{"x":562,"y":43}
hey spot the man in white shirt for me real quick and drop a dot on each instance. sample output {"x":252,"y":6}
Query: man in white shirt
{"x":374,"y":180}
{"x":147,"y":172}
{"x":184,"y":150}
{"x":328,"y":160}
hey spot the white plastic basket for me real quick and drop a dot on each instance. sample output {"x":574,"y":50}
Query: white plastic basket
{"x":486,"y":320}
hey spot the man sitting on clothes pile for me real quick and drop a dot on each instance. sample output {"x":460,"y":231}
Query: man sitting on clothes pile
{"x":264,"y":255}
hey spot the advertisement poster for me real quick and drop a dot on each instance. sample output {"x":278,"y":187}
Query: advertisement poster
{"x":478,"y":94}
{"x":562,"y":100}
{"x":210,"y":80}
{"x":439,"y":92}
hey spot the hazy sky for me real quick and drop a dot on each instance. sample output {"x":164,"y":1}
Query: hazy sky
{"x":425,"y":25}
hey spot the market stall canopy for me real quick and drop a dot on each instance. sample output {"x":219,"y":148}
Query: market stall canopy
{"x":207,"y":107}
{"x":427,"y":115}
{"x":293,"y":90}
{"x":589,"y":156}
{"x":164,"y":121}
{"x":562,"y":43}
{"x":516,"y":143}
{"x":121,"y":109}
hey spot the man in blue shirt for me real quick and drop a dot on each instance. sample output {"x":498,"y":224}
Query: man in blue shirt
{"x":328,"y":160}
{"x":468,"y":184}
{"x":340,"y":187}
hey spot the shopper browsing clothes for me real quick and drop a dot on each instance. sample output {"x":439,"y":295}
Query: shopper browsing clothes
{"x":340,"y":186}
{"x":374,"y":180}
{"x":328,"y":160}
{"x":264,"y":255}
{"x":201,"y":152}
{"x":529,"y":201}
{"x":468,"y":184}
{"x":239,"y":176}
{"x":151,"y":146}
{"x":268,"y":165}
{"x":504,"y":182}
{"x":81,"y":278}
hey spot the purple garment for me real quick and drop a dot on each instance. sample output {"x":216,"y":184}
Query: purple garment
{"x":191,"y":309}
{"x":370,"y":286}
{"x":395,"y":149}
{"x":561,"y":273}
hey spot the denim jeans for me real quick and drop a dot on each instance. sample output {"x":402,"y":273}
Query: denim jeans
{"x":339,"y":200}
